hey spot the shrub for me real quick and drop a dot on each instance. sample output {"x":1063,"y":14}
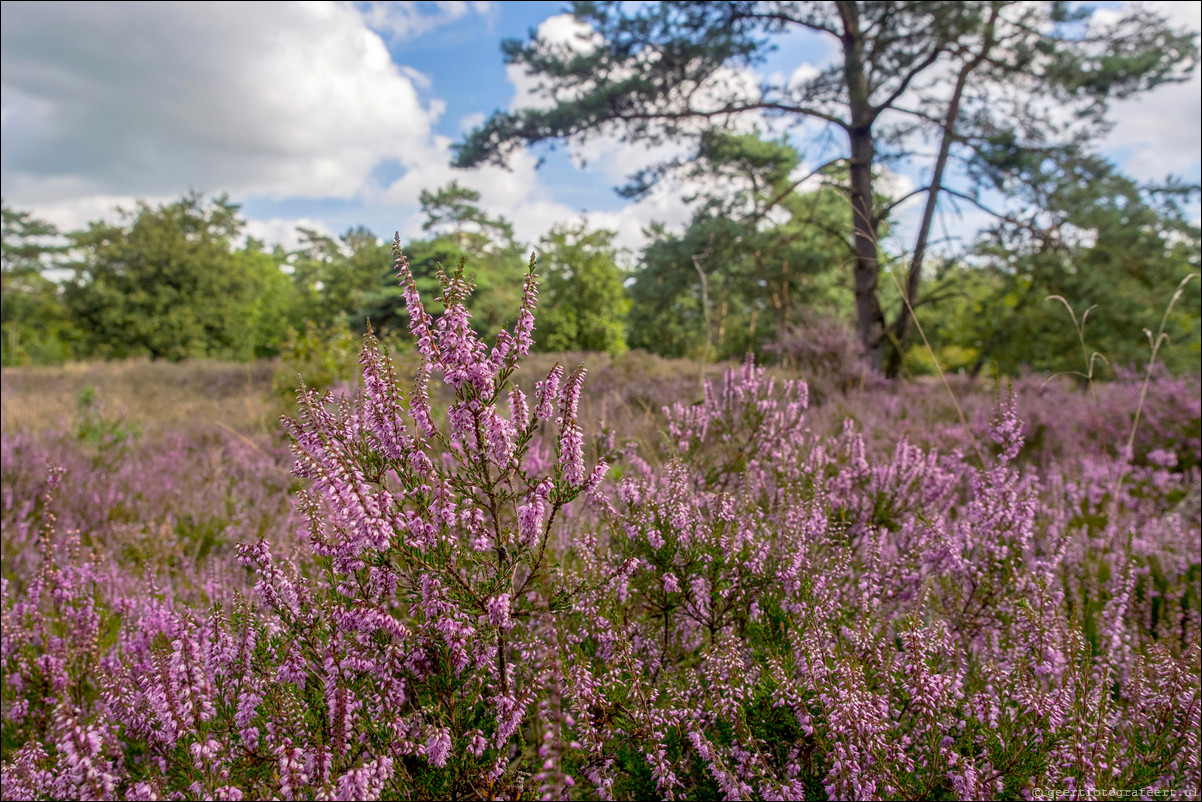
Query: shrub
{"x":767,"y":612}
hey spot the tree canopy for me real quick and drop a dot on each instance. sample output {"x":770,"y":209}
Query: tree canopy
{"x":166,"y":282}
{"x":1110,"y":244}
{"x":758,"y":251}
{"x":36,"y":327}
{"x":584,"y":304}
{"x":983,"y":85}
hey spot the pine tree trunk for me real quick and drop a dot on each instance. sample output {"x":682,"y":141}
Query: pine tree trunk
{"x":870,"y":319}
{"x":901,"y":328}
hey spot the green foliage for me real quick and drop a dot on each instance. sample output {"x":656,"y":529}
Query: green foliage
{"x":167,"y":283}
{"x":760,"y":268}
{"x":99,"y":430}
{"x":583,"y":300}
{"x":269,"y":305}
{"x":36,"y":327}
{"x":962,"y":301}
{"x":325,"y":357}
{"x":320,"y":357}
{"x":759,"y":248}
{"x":1110,"y":244}
{"x":340,"y":279}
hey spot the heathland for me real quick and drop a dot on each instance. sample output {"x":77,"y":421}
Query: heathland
{"x":479,"y":573}
{"x":813,"y":496}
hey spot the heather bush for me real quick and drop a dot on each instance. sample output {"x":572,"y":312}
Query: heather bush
{"x":1063,"y":422}
{"x":471,"y":608}
{"x":824,"y":350}
{"x":173,"y":503}
{"x":806,"y":619}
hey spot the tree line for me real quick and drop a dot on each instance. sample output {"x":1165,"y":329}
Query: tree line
{"x":999,"y":105}
{"x":182,"y":281}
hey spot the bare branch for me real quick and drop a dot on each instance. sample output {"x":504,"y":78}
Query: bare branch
{"x":993,"y":212}
{"x":732,"y":108}
{"x":785,"y":18}
{"x":907,"y":80}
{"x":889,"y":207}
{"x":784,"y":194}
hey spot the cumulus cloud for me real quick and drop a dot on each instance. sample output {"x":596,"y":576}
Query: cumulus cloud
{"x":74,"y":213}
{"x":1160,"y":129}
{"x":514,"y":192}
{"x":106,"y":104}
{"x":470,"y":122}
{"x":664,"y":204}
{"x":286,"y":100}
{"x":803,"y":75}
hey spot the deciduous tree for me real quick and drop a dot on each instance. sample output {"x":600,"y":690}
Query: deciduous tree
{"x":167,"y":282}
{"x":582,"y":292}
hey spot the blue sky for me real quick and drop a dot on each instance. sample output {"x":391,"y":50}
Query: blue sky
{"x":330,"y":115}
{"x":465,"y":69}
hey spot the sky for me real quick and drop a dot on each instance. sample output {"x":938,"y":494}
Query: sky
{"x":331,"y":115}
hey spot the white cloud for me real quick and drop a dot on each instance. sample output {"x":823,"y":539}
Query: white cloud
{"x":283,"y":231}
{"x":564,"y":30}
{"x":527,"y":94}
{"x":75,"y":213}
{"x":803,"y":75}
{"x":283,"y":100}
{"x":417,"y":77}
{"x":103,"y":105}
{"x":515,"y":193}
{"x":664,"y":204}
{"x":1161,"y":129}
{"x":619,"y":160}
{"x":893,"y":184}
{"x":405,"y":20}
{"x":518,"y":194}
{"x":470,"y":122}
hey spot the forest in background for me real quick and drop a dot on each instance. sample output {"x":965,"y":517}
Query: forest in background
{"x":1000,"y":107}
{"x":181,"y":281}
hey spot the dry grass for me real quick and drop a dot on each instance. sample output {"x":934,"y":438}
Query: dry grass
{"x":157,"y":394}
{"x":626,"y":393}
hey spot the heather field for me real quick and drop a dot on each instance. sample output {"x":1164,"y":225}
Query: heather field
{"x":476,"y":573}
{"x":681,"y":399}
